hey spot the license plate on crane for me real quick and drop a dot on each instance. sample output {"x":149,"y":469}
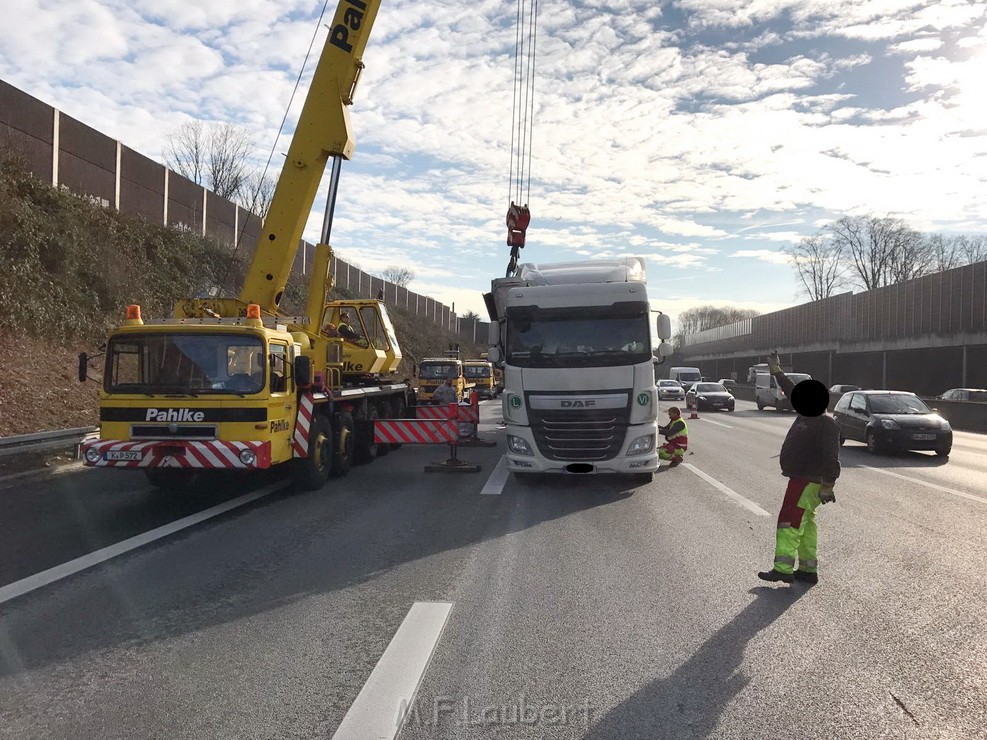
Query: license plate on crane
{"x":122,"y":455}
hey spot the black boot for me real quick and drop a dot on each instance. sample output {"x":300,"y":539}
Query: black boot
{"x":773,"y":575}
{"x":806,"y":576}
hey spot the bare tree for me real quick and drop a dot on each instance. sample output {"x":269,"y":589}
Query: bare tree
{"x":471,"y":316}
{"x":213,"y":155}
{"x":911,"y":255}
{"x":400,"y":276}
{"x":944,"y":253}
{"x":820,"y":265}
{"x":880,"y":250}
{"x":972,"y":248}
{"x":258,"y":192}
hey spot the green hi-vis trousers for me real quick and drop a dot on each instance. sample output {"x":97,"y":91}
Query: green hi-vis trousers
{"x":797,"y":535}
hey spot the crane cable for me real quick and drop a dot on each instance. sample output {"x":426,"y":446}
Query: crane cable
{"x":522,"y":126}
{"x":270,"y":156}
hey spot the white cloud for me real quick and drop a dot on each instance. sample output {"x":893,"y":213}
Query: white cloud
{"x":765,"y":255}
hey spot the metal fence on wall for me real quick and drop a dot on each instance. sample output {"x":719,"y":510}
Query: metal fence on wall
{"x":67,"y":153}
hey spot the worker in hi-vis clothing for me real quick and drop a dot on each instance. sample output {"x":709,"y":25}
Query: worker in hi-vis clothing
{"x":810,"y":459}
{"x":676,"y":436}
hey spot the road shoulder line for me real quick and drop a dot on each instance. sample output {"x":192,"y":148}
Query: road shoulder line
{"x":925,"y":483}
{"x":498,"y":478}
{"x":58,"y":572}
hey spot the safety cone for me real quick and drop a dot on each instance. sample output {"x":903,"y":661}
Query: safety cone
{"x":695,"y":412}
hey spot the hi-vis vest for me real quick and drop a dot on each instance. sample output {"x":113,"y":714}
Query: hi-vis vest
{"x":678,"y":434}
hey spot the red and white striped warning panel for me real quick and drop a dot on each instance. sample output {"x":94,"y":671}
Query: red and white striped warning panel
{"x":468,"y":414}
{"x":303,"y":424}
{"x":416,"y":431}
{"x":211,"y":454}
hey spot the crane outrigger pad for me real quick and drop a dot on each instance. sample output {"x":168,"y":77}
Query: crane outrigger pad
{"x":453,"y":464}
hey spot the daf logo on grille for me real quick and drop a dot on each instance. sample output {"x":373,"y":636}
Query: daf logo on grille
{"x":577,"y":404}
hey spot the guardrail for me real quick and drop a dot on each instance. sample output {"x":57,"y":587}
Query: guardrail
{"x":19,"y":444}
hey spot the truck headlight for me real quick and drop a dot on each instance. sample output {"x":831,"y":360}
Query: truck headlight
{"x":247,"y":457}
{"x":518,"y":445}
{"x":92,"y":455}
{"x":889,"y":424}
{"x":641,"y":445}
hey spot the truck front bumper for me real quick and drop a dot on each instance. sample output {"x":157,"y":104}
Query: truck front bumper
{"x":204,"y":455}
{"x":621,"y":464}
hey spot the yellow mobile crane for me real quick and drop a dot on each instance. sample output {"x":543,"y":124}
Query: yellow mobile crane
{"x":234,"y":383}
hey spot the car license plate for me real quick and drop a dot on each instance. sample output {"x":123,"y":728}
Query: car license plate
{"x":116,"y":455}
{"x":923,"y":436}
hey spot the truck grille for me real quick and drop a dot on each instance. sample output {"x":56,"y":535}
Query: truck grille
{"x":579,"y":434}
{"x":172,"y":431}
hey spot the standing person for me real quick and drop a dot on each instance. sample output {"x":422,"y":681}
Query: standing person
{"x":677,"y":437}
{"x":445,"y":394}
{"x":810,"y":459}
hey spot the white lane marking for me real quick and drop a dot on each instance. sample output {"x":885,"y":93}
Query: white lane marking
{"x":923,"y":483}
{"x":495,"y":483}
{"x":45,"y":577}
{"x":388,"y":695}
{"x":746,"y":503}
{"x":718,"y":423}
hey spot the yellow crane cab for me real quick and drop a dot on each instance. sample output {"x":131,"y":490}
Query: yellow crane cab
{"x":369,"y":346}
{"x":480,"y":373}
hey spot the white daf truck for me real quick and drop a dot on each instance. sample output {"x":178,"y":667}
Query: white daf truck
{"x":575,"y":343}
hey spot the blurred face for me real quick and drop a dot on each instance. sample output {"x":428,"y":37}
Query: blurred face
{"x":673,"y":415}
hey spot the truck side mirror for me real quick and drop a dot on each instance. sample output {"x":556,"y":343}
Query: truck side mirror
{"x":493,"y":354}
{"x":83,"y":366}
{"x":303,"y":371}
{"x":664,"y":326}
{"x":493,"y":335}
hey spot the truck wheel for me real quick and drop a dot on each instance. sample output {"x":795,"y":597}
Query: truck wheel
{"x":366,"y":449}
{"x":343,"y":440}
{"x":172,"y":478}
{"x":312,"y":472}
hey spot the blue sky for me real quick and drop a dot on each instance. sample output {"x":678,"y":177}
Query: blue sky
{"x":704,"y":135}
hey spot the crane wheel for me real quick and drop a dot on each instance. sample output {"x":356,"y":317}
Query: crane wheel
{"x":343,"y":440}
{"x":312,"y":472}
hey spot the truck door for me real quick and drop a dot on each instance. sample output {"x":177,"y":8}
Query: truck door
{"x":281,"y":407}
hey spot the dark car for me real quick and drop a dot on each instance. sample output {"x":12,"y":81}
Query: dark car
{"x":892,"y":420}
{"x":837,"y":392}
{"x":709,"y":396}
{"x":973,"y":395}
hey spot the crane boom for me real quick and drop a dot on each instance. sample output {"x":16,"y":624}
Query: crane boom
{"x":323,"y":131}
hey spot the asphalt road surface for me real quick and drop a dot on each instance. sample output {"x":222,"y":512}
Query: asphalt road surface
{"x":479,"y":606}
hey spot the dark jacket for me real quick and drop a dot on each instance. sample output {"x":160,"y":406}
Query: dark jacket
{"x":812,"y":448}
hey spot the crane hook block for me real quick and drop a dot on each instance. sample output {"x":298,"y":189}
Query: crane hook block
{"x":518,"y":218}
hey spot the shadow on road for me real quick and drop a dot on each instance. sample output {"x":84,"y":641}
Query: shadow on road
{"x":854,"y":454}
{"x":283,"y":549}
{"x":689,"y":702}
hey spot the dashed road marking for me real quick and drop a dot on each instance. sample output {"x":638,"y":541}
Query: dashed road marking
{"x":746,"y":503}
{"x":495,"y":483}
{"x":45,"y":577}
{"x":924,"y":483}
{"x":388,"y":695}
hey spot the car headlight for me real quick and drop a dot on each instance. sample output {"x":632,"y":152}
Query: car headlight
{"x":890,"y":424}
{"x":247,"y":457}
{"x":641,"y":445}
{"x":92,"y":455}
{"x":702,"y":398}
{"x":518,"y":445}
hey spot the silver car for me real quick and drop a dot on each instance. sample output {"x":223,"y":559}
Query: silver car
{"x":670,"y":390}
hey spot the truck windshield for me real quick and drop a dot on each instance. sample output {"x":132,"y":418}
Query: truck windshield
{"x":434,"y":371}
{"x":476,"y":372}
{"x":587,"y":336}
{"x":686,"y":378}
{"x":185,"y":364}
